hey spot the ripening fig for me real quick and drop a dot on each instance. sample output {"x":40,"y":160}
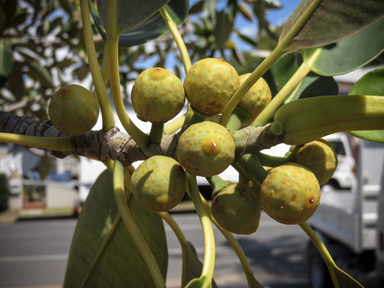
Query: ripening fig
{"x":209,"y":84}
{"x":157,"y":95}
{"x":159,"y":183}
{"x":73,"y":110}
{"x":319,"y":156}
{"x":237,"y":209}
{"x":290,"y":194}
{"x":257,"y":98}
{"x":205,"y":149}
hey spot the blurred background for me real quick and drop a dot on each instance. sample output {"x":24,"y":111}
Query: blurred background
{"x":42,"y":49}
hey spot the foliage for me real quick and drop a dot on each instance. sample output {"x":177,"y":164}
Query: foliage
{"x":4,"y":192}
{"x":115,"y":234}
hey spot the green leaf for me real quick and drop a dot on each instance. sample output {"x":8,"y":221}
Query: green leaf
{"x":121,"y":264}
{"x":6,"y":62}
{"x":370,"y":84}
{"x":314,"y":85}
{"x":129,"y":13}
{"x":332,"y":21}
{"x":194,"y":265}
{"x":223,"y":29}
{"x":281,"y":71}
{"x":44,"y":166}
{"x":245,"y":11}
{"x":149,"y":29}
{"x":40,"y":73}
{"x":348,"y":54}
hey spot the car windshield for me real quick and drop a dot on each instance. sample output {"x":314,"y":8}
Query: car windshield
{"x":338,"y":146}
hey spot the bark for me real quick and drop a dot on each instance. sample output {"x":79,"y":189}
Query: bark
{"x":114,"y":144}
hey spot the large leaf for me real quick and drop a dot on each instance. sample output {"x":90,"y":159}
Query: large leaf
{"x":348,"y":54}
{"x":332,"y":21}
{"x":150,"y":28}
{"x":281,"y":71}
{"x":314,"y":85}
{"x":223,"y":29}
{"x":121,"y":264}
{"x":371,"y":83}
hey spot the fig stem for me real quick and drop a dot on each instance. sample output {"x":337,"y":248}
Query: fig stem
{"x":178,"y":39}
{"x":118,"y":188}
{"x":323,"y":251}
{"x":156,"y":133}
{"x":209,"y":238}
{"x":252,"y":282}
{"x":98,"y":79}
{"x":196,"y":117}
{"x":252,"y":164}
{"x":183,"y":242}
{"x":217,"y":184}
{"x":113,"y":34}
{"x":47,"y":143}
{"x":175,"y":124}
{"x":238,"y":118}
{"x":274,"y":161}
{"x":283,"y":94}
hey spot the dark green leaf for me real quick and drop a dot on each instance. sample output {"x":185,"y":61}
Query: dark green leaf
{"x":66,"y":6}
{"x":2,"y":18}
{"x":44,"y":166}
{"x":370,"y":84}
{"x":223,"y":29}
{"x":121,"y":264}
{"x":314,"y":85}
{"x":280,"y":72}
{"x":232,"y":9}
{"x":247,"y":39}
{"x":40,"y":73}
{"x":16,"y":83}
{"x":332,"y":21}
{"x":348,"y":54}
{"x":149,"y":29}
{"x":269,"y":4}
{"x":6,"y":63}
{"x":196,"y":8}
{"x":55,"y":23}
{"x":129,"y":13}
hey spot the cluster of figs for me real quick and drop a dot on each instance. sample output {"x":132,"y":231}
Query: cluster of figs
{"x":290,"y":192}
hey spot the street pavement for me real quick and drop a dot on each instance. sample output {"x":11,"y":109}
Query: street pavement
{"x":33,"y":254}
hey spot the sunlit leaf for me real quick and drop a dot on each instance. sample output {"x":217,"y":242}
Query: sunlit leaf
{"x":348,"y":54}
{"x":121,"y":264}
{"x":370,"y":84}
{"x":332,"y":21}
{"x":149,"y":29}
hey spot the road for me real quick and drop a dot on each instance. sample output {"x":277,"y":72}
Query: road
{"x":34,"y":253}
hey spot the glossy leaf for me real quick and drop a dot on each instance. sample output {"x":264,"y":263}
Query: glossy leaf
{"x":149,"y":29}
{"x":370,"y":84}
{"x":280,"y":72}
{"x":332,"y":21}
{"x":121,"y":264}
{"x":314,"y":85}
{"x":348,"y":54}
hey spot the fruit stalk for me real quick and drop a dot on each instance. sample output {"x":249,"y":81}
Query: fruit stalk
{"x":209,"y":238}
{"x":118,"y":187}
{"x":113,"y":35}
{"x":46,"y":143}
{"x":105,"y":105}
{"x":178,"y":39}
{"x":279,"y":51}
{"x":323,"y":251}
{"x":268,"y":111}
